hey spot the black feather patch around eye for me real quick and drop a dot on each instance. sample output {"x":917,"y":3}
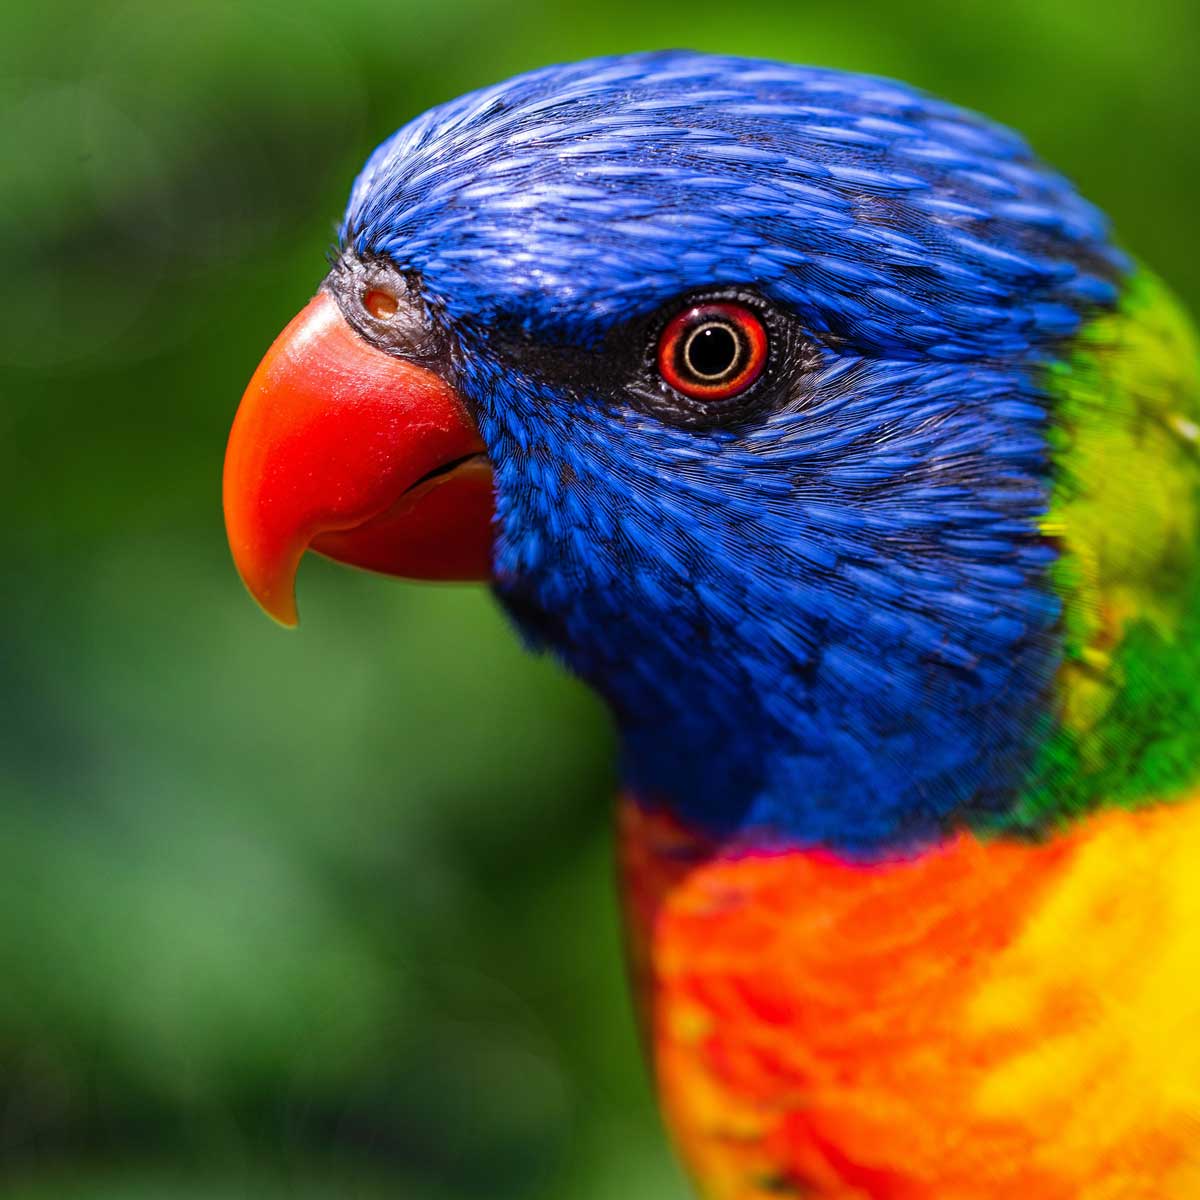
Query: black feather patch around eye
{"x":720,"y":359}
{"x":625,"y":369}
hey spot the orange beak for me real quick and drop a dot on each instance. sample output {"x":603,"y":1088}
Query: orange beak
{"x":364,"y":457}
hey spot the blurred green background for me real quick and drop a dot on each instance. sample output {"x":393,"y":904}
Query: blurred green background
{"x":331,"y":913}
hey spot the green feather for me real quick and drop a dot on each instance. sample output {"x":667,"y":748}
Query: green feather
{"x":1124,"y":511}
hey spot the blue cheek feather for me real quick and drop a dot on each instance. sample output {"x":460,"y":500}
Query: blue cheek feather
{"x":829,"y":624}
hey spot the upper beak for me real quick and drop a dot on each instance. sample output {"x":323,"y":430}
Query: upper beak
{"x":365,"y":457}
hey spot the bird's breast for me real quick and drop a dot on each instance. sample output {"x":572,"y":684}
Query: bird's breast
{"x":988,"y":1019}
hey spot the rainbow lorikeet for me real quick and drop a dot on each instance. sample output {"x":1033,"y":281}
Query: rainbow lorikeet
{"x":829,"y":436}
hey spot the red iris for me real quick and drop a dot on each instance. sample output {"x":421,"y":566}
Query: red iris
{"x":713,"y":351}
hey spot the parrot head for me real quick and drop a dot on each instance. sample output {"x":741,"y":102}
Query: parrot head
{"x":727,"y":375}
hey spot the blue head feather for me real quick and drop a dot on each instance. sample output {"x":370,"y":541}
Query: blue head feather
{"x":830,"y":624}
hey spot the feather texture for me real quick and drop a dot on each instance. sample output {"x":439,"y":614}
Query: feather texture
{"x":904,"y":661}
{"x":991,"y":1019}
{"x":850,"y":594}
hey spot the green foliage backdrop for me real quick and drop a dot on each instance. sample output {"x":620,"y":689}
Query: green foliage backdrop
{"x":331,"y":913}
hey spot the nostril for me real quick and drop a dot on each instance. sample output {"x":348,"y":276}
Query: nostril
{"x":380,"y":304}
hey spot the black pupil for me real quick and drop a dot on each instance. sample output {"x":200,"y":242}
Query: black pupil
{"x":712,"y":351}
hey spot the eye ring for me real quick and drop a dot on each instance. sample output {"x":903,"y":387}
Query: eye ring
{"x":713,"y":351}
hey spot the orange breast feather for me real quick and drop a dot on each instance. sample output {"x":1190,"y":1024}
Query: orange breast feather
{"x":990,"y":1019}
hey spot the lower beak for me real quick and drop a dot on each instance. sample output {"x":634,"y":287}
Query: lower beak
{"x":364,"y":457}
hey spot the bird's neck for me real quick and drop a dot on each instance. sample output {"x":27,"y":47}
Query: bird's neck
{"x":806,"y":768}
{"x":759,"y":700}
{"x":748,"y":741}
{"x":1000,"y":630}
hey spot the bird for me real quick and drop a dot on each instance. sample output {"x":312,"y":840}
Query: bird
{"x":835,"y":441}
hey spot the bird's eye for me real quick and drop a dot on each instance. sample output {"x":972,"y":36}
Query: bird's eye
{"x":713,"y":351}
{"x":380,"y":304}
